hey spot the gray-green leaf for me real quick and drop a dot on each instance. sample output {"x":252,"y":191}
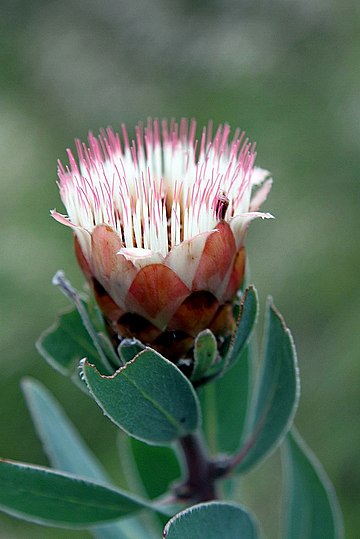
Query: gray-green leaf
{"x":62,"y":443}
{"x":205,"y":352}
{"x":68,"y":452}
{"x":224,"y":404}
{"x":129,"y":348}
{"x":213,"y":520}
{"x":73,"y":295}
{"x":149,"y":398}
{"x":276,"y":398}
{"x":66,"y":342}
{"x":47,"y":497}
{"x":149,"y":469}
{"x":311,"y":509}
{"x":246,"y":322}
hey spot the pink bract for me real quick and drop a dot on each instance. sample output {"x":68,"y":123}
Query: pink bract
{"x":160,"y":226}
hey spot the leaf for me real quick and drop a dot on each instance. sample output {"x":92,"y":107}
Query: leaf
{"x":73,"y":295}
{"x":205,"y":352}
{"x":66,"y":342}
{"x":149,"y":469}
{"x":109,"y":350}
{"x":129,"y":348}
{"x":277,"y":394}
{"x":311,"y":509}
{"x":127,"y":528}
{"x":246,"y":322}
{"x":47,"y":497}
{"x":149,"y":398}
{"x":68,"y":452}
{"x":224,"y":404}
{"x":213,"y":520}
{"x":62,"y":443}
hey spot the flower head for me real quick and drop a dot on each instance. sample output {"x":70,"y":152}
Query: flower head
{"x":160,"y":226}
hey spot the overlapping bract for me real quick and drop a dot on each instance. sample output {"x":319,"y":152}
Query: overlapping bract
{"x":160,"y":227}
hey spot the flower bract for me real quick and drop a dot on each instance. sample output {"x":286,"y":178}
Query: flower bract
{"x":160,"y":224}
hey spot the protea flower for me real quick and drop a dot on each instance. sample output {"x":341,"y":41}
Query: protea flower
{"x":160,"y":226}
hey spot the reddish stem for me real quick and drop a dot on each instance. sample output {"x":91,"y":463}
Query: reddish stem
{"x":200,"y":475}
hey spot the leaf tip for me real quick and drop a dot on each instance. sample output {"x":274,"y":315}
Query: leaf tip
{"x":27,"y":382}
{"x":251,"y":287}
{"x":58,"y":278}
{"x":275,"y":311}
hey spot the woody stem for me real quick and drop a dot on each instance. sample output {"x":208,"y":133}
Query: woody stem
{"x":199,"y":481}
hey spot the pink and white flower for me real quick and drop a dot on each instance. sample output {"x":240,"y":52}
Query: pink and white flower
{"x":160,"y":226}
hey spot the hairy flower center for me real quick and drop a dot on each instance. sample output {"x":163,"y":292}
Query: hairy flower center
{"x":163,"y":188}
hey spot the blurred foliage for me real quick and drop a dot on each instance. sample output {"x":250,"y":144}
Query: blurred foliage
{"x":285,"y":71}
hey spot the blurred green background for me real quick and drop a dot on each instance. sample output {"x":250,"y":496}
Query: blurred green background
{"x":287,"y":72}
